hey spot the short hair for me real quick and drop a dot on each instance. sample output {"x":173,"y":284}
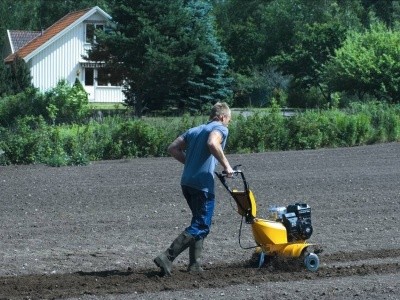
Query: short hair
{"x":219,"y":109}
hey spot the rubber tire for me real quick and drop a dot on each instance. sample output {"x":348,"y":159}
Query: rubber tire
{"x":311,"y":261}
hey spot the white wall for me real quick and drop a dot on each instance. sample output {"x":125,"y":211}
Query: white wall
{"x":60,"y":60}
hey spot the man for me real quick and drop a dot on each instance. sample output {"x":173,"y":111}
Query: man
{"x":199,"y":149}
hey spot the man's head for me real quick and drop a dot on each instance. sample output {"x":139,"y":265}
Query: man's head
{"x":221,"y":112}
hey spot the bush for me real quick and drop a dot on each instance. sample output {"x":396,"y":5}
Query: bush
{"x":63,"y":104}
{"x":276,"y":131}
{"x":25,"y":140}
{"x":304,"y":131}
{"x":27,"y":103}
{"x":384,"y":120}
{"x":66,"y":104}
{"x":341,"y":129}
{"x":246,"y":135}
{"x":32,"y":140}
{"x":261,"y":131}
{"x":136,"y":139}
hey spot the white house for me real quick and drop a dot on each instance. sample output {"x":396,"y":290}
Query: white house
{"x":56,"y":53}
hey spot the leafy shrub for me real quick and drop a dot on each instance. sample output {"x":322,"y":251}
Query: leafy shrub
{"x":32,"y":140}
{"x":24,"y":140}
{"x":258,"y":132}
{"x":276,"y":131}
{"x":384,"y":120}
{"x":27,"y":103}
{"x":67,"y":104}
{"x":304,"y":131}
{"x":61,"y":104}
{"x":244,"y":135}
{"x":135,"y":139}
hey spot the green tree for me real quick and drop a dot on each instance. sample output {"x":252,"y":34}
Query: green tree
{"x":165,"y":51}
{"x":4,"y":86}
{"x":305,"y":61}
{"x":19,"y":76}
{"x":297,"y":34}
{"x":383,"y":9}
{"x":253,"y":31}
{"x":210,"y":82}
{"x":14,"y":78}
{"x":19,"y":14}
{"x":367,"y":63}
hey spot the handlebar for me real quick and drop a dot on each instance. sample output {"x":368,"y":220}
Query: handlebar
{"x":235,"y":172}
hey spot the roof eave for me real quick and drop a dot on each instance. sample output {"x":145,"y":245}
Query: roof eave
{"x":10,"y":40}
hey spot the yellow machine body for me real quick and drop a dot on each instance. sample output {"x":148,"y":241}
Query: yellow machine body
{"x":270,"y":235}
{"x":269,"y":232}
{"x":246,"y":202}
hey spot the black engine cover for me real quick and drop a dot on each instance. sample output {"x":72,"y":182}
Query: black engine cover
{"x":297,"y":221}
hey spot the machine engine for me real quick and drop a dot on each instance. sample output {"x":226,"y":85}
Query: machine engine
{"x":297,"y":221}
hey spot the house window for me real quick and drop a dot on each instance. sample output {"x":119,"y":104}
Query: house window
{"x":90,"y":31}
{"x":106,"y":77}
{"x":89,"y":76}
{"x":103,"y":77}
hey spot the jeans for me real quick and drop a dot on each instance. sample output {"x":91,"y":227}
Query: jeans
{"x":202,"y":206}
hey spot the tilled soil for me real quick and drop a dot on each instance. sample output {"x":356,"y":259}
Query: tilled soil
{"x":92,"y":232}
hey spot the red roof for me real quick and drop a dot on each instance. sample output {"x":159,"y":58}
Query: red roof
{"x":49,"y":33}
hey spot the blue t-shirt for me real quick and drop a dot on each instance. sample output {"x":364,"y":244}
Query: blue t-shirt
{"x":198,"y":171}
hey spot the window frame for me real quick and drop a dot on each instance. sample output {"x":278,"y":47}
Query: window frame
{"x":96,"y":26}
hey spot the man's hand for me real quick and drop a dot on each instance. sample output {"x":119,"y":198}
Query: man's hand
{"x":229,"y":171}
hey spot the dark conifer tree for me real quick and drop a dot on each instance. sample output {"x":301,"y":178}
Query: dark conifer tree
{"x":166,"y":54}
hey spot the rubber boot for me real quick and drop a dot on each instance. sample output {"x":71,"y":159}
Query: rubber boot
{"x":165,"y":259}
{"x":196,"y":247}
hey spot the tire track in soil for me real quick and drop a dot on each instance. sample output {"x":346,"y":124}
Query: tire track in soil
{"x":216,"y":276}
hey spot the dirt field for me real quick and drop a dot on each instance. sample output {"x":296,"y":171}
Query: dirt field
{"x":92,"y":232}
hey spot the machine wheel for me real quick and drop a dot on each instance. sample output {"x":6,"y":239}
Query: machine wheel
{"x":311,"y":262}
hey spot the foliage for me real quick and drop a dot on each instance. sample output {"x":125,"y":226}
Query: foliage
{"x":259,"y":88}
{"x":254,"y":31}
{"x":305,"y":60}
{"x":383,"y":118}
{"x":61,"y":104}
{"x":296,"y":35}
{"x":167,"y":54}
{"x":258,"y":132}
{"x":304,"y":131}
{"x":367,"y":63}
{"x":15,"y":78}
{"x":181,"y":56}
{"x":27,"y":103}
{"x":66,"y":103}
{"x":39,"y":14}
{"x":22,"y":142}
{"x":32,"y":140}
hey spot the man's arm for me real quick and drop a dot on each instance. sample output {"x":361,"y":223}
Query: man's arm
{"x":177,"y":149}
{"x":214,"y":144}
